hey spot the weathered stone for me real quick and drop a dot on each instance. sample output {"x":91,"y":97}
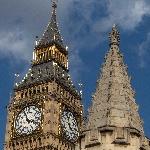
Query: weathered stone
{"x":114,"y":122}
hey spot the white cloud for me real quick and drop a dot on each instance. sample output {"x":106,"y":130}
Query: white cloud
{"x":83,"y":23}
{"x":14,"y":44}
{"x":143,"y":52}
{"x":127,"y":14}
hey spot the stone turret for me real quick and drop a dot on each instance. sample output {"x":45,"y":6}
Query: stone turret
{"x":113,"y":101}
{"x":114,"y":122}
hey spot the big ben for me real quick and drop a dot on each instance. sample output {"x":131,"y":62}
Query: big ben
{"x":45,"y":109}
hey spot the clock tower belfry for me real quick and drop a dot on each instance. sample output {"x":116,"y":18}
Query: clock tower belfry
{"x":45,"y":110}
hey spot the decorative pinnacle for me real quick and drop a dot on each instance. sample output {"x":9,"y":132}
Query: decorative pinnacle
{"x":114,"y":36}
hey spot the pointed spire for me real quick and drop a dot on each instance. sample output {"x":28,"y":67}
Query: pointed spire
{"x":114,"y":36}
{"x":113,"y":103}
{"x":52,"y":33}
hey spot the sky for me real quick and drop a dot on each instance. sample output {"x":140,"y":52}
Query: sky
{"x":84,"y":25}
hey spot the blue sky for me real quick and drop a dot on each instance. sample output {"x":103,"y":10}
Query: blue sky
{"x":85,"y":26}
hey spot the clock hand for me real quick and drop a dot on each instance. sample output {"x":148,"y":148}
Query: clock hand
{"x":35,"y":122}
{"x":70,"y":126}
{"x":25,"y":114}
{"x":27,"y":118}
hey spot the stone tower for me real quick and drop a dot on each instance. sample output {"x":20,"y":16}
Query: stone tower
{"x":45,"y":110}
{"x":114,"y":122}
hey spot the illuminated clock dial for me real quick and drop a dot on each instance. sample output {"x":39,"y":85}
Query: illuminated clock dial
{"x":69,"y":126}
{"x":28,"y":120}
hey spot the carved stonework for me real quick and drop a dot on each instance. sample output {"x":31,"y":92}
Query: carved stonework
{"x":113,"y":102}
{"x":92,"y":138}
{"x":114,"y":122}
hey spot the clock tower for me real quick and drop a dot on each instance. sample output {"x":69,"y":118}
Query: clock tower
{"x":45,"y":110}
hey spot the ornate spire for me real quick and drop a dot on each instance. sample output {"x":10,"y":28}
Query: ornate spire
{"x":114,"y":36}
{"x":113,"y":103}
{"x":52,"y":33}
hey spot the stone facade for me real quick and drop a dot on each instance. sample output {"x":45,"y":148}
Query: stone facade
{"x":113,"y":138}
{"x":114,"y":122}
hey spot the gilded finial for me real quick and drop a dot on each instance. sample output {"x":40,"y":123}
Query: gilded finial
{"x":114,"y":36}
{"x":54,"y":3}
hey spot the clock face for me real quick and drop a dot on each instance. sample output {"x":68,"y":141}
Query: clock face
{"x":28,"y":120}
{"x":69,"y":126}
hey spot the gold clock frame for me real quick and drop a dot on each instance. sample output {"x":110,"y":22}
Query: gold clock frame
{"x":38,"y":130}
{"x":77,"y":117}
